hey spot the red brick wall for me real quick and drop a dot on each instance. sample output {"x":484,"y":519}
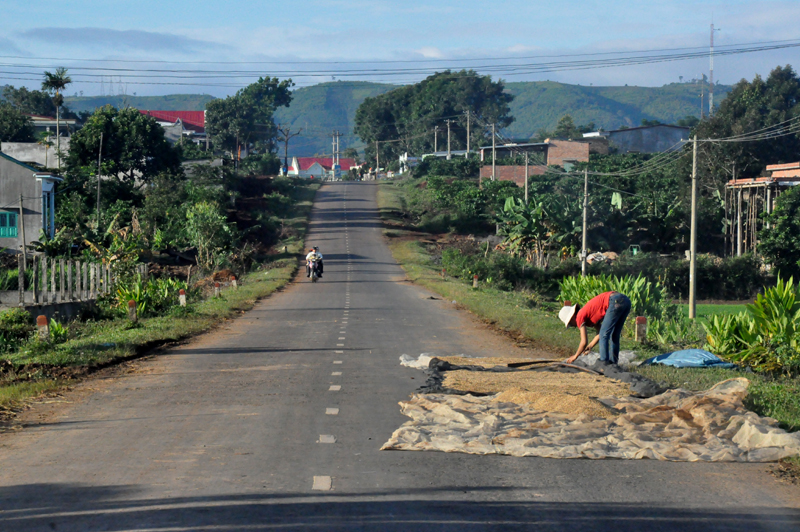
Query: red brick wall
{"x":559,"y":150}
{"x":511,"y":173}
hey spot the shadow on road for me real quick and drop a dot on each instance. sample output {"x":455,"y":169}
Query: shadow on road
{"x":67,"y":507}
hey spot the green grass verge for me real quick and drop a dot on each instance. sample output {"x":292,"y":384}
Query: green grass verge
{"x":510,"y":311}
{"x":105,"y":342}
{"x":706,"y":311}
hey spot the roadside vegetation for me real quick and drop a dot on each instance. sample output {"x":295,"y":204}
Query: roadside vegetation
{"x":161,"y":228}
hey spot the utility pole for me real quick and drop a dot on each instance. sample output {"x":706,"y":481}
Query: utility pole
{"x":711,"y":75}
{"x":494,"y":150}
{"x":526,"y":178}
{"x":99,"y":169}
{"x":435,"y":139}
{"x":377,"y":160}
{"x":448,"y":138}
{"x":584,"y":251}
{"x":739,"y":223}
{"x":693,"y":238}
{"x":22,"y":230}
{"x":467,"y":154}
{"x":286,"y":132}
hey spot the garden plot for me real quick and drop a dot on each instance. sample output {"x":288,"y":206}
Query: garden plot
{"x":579,"y":415}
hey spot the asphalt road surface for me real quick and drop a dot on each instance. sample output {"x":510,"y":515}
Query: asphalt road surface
{"x":274,"y":423}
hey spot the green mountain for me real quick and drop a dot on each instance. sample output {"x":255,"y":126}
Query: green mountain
{"x":539,"y":105}
{"x":321,"y":109}
{"x":170,"y":102}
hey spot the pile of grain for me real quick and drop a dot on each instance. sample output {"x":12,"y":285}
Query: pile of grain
{"x":568,"y":393}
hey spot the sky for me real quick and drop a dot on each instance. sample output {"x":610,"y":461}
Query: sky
{"x":152,"y":47}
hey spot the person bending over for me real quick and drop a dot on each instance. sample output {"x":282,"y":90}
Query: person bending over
{"x":606,"y":313}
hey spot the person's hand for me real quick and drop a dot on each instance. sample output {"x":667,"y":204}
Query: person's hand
{"x":571,"y":359}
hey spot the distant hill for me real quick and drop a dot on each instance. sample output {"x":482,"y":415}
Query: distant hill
{"x":320,"y":109}
{"x":541,"y":104}
{"x":170,"y":102}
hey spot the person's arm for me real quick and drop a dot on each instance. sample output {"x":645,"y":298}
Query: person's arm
{"x":581,"y":346}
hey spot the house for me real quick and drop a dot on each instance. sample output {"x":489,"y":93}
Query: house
{"x":180,"y":124}
{"x":645,"y":139}
{"x":36,"y":191}
{"x":35,"y":153}
{"x":319,"y":166}
{"x":66,"y":126}
{"x":551,"y":152}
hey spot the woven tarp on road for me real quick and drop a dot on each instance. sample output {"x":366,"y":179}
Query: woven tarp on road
{"x":712,"y":426}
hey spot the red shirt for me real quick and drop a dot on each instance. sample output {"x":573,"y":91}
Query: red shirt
{"x":593,"y":312}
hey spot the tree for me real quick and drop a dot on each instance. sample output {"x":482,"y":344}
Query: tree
{"x":33,"y":102}
{"x":209,"y":232}
{"x":44,"y":140}
{"x":779,"y":244}
{"x":407,"y":116}
{"x":14,"y":126}
{"x":247,"y":117}
{"x":134,"y":146}
{"x":55,"y":83}
{"x":351,"y":153}
{"x":752,"y":106}
{"x":565,"y":129}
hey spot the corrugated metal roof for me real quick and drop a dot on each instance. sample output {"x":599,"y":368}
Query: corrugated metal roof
{"x":197,"y":119}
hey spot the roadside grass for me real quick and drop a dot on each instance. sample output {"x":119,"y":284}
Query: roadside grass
{"x":100,"y":343}
{"x":519,"y":313}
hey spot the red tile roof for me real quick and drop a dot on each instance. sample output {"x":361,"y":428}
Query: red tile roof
{"x":326,"y":162}
{"x":194,"y":120}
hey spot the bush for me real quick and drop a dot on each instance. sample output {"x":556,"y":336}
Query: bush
{"x":456,"y":167}
{"x":779,"y":242}
{"x":767,"y":336}
{"x":16,"y":326}
{"x":152,"y":297}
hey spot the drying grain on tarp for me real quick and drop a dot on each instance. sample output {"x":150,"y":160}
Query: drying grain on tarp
{"x":556,"y":402}
{"x":550,"y":391}
{"x":711,"y":426}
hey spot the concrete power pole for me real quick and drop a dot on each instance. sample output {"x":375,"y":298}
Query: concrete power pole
{"x":99,"y":169}
{"x":526,"y":178}
{"x":22,"y":230}
{"x":448,"y":138}
{"x":467,"y":154}
{"x":584,"y":251}
{"x":711,"y":74}
{"x":494,"y":149}
{"x":435,"y":139}
{"x":693,"y":238}
{"x":377,"y":160}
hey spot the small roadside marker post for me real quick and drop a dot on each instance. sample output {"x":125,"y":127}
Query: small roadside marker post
{"x":234,"y":282}
{"x":182,"y":297}
{"x":474,"y":281}
{"x":443,"y":273}
{"x":132,"y":311}
{"x":42,"y":327}
{"x":217,"y":290}
{"x":641,"y":329}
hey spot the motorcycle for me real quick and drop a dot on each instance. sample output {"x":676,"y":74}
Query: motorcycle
{"x":314,"y":265}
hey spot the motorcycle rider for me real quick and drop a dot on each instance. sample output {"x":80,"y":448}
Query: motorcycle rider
{"x":314,"y":256}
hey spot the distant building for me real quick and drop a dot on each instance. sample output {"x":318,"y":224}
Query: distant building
{"x":645,"y":139}
{"x":318,"y":166}
{"x":551,"y":152}
{"x":180,"y":124}
{"x":35,"y":153}
{"x":37,"y":190}
{"x":41,"y":124}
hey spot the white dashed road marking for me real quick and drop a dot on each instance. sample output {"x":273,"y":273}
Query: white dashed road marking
{"x":322,"y":484}
{"x":327,"y":438}
{"x":332,"y":411}
{"x":334,"y":388}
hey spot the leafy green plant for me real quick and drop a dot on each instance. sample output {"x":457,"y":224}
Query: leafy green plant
{"x":151,"y":297}
{"x":647,"y":298}
{"x":678,"y":333}
{"x":209,"y":232}
{"x":16,"y":327}
{"x":58,"y":333}
{"x":767,"y":336}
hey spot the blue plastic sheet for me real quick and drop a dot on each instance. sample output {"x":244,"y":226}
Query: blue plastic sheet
{"x":690,"y":358}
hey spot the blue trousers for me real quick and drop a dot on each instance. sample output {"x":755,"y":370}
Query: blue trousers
{"x":619,"y":306}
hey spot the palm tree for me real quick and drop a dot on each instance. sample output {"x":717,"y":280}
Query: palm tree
{"x":55,"y":83}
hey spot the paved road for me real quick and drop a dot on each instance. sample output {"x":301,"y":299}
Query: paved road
{"x":230,"y":431}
